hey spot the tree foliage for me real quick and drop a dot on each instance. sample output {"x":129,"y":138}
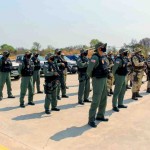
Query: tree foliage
{"x":36,"y":46}
{"x":93,"y":42}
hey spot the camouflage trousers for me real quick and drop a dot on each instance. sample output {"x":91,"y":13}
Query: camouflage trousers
{"x":137,"y":81}
{"x":148,"y":84}
{"x":110,"y":82}
{"x":129,"y":77}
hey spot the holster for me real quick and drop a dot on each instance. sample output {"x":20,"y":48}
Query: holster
{"x":49,"y":87}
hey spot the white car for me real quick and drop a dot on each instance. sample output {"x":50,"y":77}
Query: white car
{"x":14,"y":72}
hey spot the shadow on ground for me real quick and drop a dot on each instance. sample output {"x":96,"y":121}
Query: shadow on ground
{"x":9,"y":108}
{"x":30,"y":116}
{"x":73,"y":86}
{"x":67,"y":106}
{"x":70,"y":132}
{"x":72,"y":94}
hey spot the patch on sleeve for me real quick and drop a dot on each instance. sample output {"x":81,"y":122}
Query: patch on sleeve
{"x":93,"y":61}
{"x":117,"y":61}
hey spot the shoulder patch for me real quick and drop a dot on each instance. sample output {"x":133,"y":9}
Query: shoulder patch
{"x":93,"y":61}
{"x":117,"y":61}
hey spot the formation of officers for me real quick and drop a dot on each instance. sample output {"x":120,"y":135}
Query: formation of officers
{"x":105,"y":70}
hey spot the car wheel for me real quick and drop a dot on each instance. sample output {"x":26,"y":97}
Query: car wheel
{"x":17,"y":77}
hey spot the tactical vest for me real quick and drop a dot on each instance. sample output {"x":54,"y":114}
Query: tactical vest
{"x":37,"y":65}
{"x":59,"y":60}
{"x":51,"y":68}
{"x":6,"y":65}
{"x":137,"y":68}
{"x":28,"y":69}
{"x":101,"y":71}
{"x":122,"y":71}
{"x":82,"y":70}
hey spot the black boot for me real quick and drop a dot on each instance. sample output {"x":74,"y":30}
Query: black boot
{"x":138,"y":95}
{"x":22,"y":105}
{"x":31,"y":103}
{"x":108,"y":93}
{"x":39,"y":92}
{"x":55,"y":109}
{"x":65,"y":96}
{"x":111,"y":92}
{"x":102,"y":119}
{"x":58,"y":97}
{"x":122,"y":106}
{"x":11,"y":96}
{"x":134,"y":96}
{"x":81,"y":103}
{"x":47,"y":111}
{"x":148,"y":90}
{"x":87,"y":101}
{"x":115,"y":109}
{"x":127,"y":87}
{"x":92,"y":124}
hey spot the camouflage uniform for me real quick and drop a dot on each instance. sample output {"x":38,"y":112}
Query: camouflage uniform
{"x":129,"y":75}
{"x":138,"y":70}
{"x":110,"y":79}
{"x":148,"y":74}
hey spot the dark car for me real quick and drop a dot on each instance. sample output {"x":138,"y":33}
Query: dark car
{"x":73,"y":57}
{"x":19,"y":59}
{"x":72,"y":65}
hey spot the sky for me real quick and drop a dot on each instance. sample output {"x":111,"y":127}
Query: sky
{"x":62,"y":23}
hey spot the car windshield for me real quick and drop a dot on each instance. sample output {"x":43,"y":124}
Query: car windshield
{"x":41,"y":58}
{"x":66,"y":58}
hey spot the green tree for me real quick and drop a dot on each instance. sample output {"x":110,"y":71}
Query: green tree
{"x":5,"y":47}
{"x":93,"y":42}
{"x":36,"y":46}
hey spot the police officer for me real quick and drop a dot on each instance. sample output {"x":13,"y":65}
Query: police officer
{"x":84,"y":80}
{"x":110,"y":79}
{"x":148,"y":73}
{"x":120,"y":71}
{"x":138,"y":67}
{"x":51,"y":83}
{"x":65,"y":71}
{"x":98,"y":70}
{"x":5,"y":69}
{"x":36,"y":73}
{"x":26,"y":69}
{"x":62,"y":65}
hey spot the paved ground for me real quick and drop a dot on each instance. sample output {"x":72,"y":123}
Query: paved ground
{"x":31,"y":129}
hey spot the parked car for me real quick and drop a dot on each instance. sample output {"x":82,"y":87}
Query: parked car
{"x":19,"y":59}
{"x":73,"y":57}
{"x":72,"y":65}
{"x":14,"y":72}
